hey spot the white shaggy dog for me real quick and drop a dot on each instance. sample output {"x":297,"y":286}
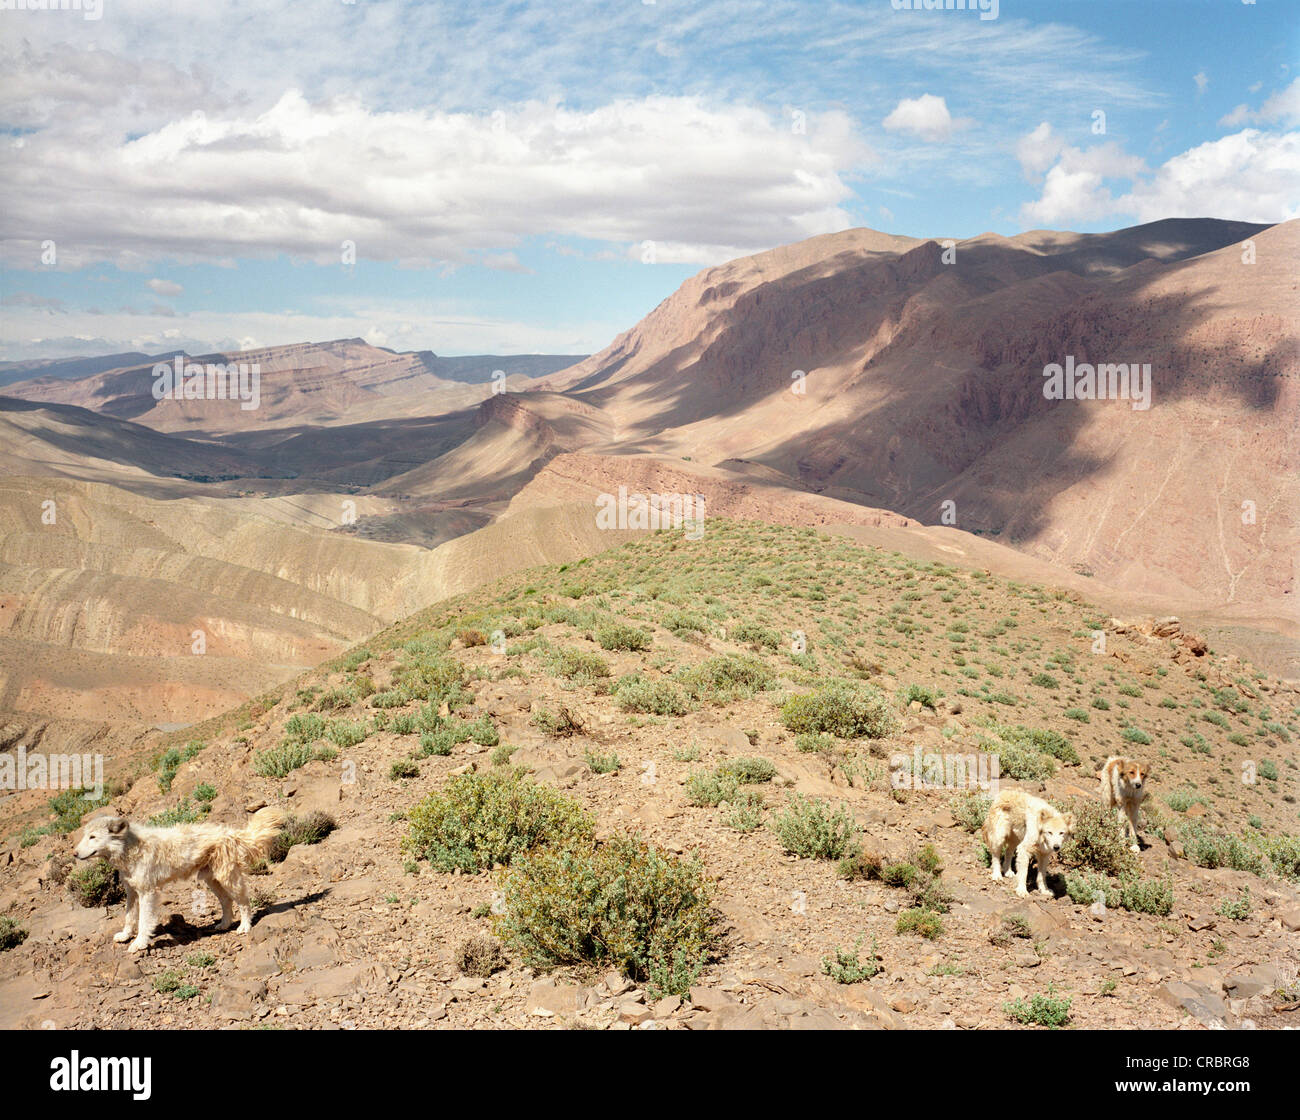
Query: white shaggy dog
{"x":149,"y":857}
{"x":1123,"y":788}
{"x":1028,"y":827}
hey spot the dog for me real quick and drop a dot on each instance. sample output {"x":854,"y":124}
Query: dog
{"x":1123,"y":788}
{"x":149,"y":857}
{"x":1029,"y":828}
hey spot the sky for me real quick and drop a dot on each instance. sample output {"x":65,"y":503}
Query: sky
{"x":494,"y":177}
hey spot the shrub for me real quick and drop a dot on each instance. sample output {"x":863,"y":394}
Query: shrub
{"x":1101,"y":703}
{"x":579,"y":665}
{"x":1135,"y":735}
{"x":1078,"y":714}
{"x":1097,"y":843}
{"x":843,"y":710}
{"x":898,"y":874}
{"x":560,"y":725}
{"x":345,"y":733}
{"x":807,"y":829}
{"x":709,"y":789}
{"x":277,"y":762}
{"x":660,"y":698}
{"x":751,"y":634}
{"x":922,"y":922}
{"x":480,"y":956}
{"x":726,"y":678}
{"x":184,"y":813}
{"x":481,"y":819}
{"x":305,"y":727}
{"x":926,"y":697}
{"x":748,"y":771}
{"x":1023,"y":764}
{"x":96,"y":884}
{"x":1208,"y":848}
{"x":602,"y":763}
{"x":619,"y":635}
{"x":1040,"y":739}
{"x":863,"y":864}
{"x":172,"y":760}
{"x":1042,"y":1010}
{"x":970,"y":810}
{"x":845,"y":968}
{"x":403,"y":768}
{"x":1237,"y":909}
{"x":1085,"y":888}
{"x":1044,"y":680}
{"x":623,"y":904}
{"x":11,"y":934}
{"x":1147,"y":896}
{"x":311,"y":828}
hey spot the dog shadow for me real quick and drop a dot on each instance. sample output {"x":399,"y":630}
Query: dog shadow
{"x":182,"y":931}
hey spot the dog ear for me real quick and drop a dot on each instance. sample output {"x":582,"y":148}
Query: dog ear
{"x":117,"y":825}
{"x":1069,"y":822}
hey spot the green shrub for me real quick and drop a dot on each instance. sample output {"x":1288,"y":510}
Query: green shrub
{"x":305,"y":727}
{"x":748,"y":771}
{"x":1101,"y":703}
{"x":808,"y":829}
{"x":1042,"y":1010}
{"x":624,"y":904}
{"x":1207,"y":848}
{"x":843,"y":710}
{"x":403,"y":768}
{"x":1077,"y":714}
{"x":1135,"y":735}
{"x":171,"y":760}
{"x":1044,"y":680}
{"x":1237,"y":909}
{"x":971,"y":810}
{"x":1097,"y":843}
{"x":619,"y":635}
{"x":481,"y":819}
{"x":276,"y":762}
{"x":751,"y":634}
{"x":11,"y":934}
{"x":708,"y":789}
{"x":726,"y":678}
{"x":845,"y":967}
{"x":602,"y":763}
{"x":345,"y":733}
{"x":922,"y":922}
{"x":96,"y":884}
{"x":184,"y":813}
{"x":310,"y":828}
{"x":1147,"y":896}
{"x":579,"y":665}
{"x":660,"y":698}
{"x":1040,"y":739}
{"x":926,"y":697}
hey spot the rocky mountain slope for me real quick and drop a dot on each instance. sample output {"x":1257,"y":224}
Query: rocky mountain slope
{"x":688,"y":736}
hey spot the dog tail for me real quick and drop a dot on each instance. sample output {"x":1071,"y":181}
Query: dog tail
{"x":242,"y":849}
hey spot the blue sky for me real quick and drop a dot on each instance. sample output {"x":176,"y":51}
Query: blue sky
{"x":516,"y":177}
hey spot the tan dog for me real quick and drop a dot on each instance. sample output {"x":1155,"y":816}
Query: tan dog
{"x":149,"y":857}
{"x":1027,"y":827}
{"x":1123,"y":788}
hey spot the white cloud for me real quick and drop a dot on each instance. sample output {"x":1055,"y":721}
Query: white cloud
{"x":1202,"y":82}
{"x":422,"y":185}
{"x":1038,"y":150}
{"x":1249,"y":176}
{"x":926,"y":116}
{"x":1283,"y":107}
{"x":165,"y":287}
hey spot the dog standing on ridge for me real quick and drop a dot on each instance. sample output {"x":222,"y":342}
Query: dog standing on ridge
{"x":149,"y":857}
{"x":1123,"y":788}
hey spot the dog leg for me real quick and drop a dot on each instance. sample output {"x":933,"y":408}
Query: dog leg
{"x":132,"y":902}
{"x":995,"y":861}
{"x":1023,"y":856}
{"x":146,"y":919}
{"x":238,"y":888}
{"x":215,"y":886}
{"x":1133,"y":828}
{"x":1042,"y":876}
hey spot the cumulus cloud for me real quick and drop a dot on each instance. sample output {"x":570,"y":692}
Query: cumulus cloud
{"x":926,"y":116}
{"x":165,"y":288}
{"x":417,"y":186}
{"x":1251,"y":175}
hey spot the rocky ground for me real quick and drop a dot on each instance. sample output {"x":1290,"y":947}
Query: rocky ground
{"x":350,"y":934}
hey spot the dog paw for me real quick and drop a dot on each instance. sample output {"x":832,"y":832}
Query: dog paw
{"x":1045,"y":892}
{"x":137,"y":946}
{"x":1023,"y":892}
{"x":223,"y":926}
{"x":1134,"y":847}
{"x":125,"y":935}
